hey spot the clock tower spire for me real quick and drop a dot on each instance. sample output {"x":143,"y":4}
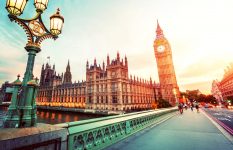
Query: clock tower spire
{"x":159,"y":31}
{"x":166,"y":71}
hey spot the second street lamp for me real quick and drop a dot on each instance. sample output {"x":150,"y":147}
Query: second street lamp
{"x":22,"y":111}
{"x":41,"y":4}
{"x":56,"y":23}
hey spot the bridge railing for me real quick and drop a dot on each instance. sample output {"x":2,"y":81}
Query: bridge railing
{"x":102,"y":132}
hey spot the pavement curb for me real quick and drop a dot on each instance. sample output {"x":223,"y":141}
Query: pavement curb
{"x":219,"y":125}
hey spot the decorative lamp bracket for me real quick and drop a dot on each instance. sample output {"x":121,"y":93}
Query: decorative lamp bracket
{"x":34,"y":28}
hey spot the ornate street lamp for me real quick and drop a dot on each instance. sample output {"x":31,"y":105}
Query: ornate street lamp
{"x":22,"y":111}
{"x":15,"y":7}
{"x":56,"y":23}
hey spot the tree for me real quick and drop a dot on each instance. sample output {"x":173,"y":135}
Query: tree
{"x":201,"y":98}
{"x":163,"y":103}
{"x":195,"y":95}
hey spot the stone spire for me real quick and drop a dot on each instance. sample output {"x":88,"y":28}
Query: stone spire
{"x":108,"y":60}
{"x":67,"y":75}
{"x":103,"y":66}
{"x":159,"y":31}
{"x":87,"y":65}
{"x":42,"y":68}
{"x":68,"y":66}
{"x":150,"y":81}
{"x":42,"y":75}
{"x":126,"y":62}
{"x":47,"y":66}
{"x":95,"y":64}
{"x":118,"y":56}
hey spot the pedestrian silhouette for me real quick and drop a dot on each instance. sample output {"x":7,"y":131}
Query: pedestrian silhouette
{"x":197,"y":106}
{"x":180,"y":107}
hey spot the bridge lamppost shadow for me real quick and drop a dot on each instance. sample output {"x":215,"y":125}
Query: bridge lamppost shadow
{"x":22,"y":111}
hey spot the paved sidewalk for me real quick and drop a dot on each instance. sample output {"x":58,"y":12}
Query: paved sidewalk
{"x":189,"y":131}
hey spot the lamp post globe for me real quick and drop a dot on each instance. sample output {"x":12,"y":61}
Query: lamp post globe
{"x":56,"y":23}
{"x":16,"y":7}
{"x":22,"y":110}
{"x":41,"y":4}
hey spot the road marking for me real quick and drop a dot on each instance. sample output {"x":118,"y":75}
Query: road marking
{"x":217,"y":114}
{"x":224,"y":119}
{"x":220,"y":128}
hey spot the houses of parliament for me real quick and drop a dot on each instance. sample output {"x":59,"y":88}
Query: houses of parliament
{"x":108,"y":86}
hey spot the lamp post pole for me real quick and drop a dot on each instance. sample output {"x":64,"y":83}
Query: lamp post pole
{"x":22,"y":111}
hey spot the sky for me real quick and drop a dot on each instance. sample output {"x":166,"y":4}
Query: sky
{"x":200,"y":33}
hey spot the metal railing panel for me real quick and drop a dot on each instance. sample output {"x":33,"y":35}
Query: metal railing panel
{"x":100,"y":133}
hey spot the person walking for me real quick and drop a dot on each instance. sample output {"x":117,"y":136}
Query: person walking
{"x":180,"y":107}
{"x":192,"y":106}
{"x":197,"y":106}
{"x":185,"y":106}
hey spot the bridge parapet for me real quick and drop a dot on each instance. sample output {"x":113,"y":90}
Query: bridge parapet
{"x":102,"y":132}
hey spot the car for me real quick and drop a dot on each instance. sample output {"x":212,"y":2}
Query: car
{"x":209,"y":106}
{"x":230,"y":107}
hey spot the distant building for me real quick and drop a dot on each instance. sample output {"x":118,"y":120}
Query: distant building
{"x":58,"y":90}
{"x":110,"y":87}
{"x":106,"y":88}
{"x":6,"y":92}
{"x":216,"y":91}
{"x":226,"y":84}
{"x":193,"y":92}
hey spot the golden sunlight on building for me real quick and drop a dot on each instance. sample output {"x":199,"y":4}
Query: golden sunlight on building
{"x":225,"y":86}
{"x":107,"y":88}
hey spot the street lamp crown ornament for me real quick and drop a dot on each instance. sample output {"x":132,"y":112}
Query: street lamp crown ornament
{"x":17,"y":81}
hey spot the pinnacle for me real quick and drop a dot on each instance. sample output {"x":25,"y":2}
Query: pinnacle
{"x":159,"y":31}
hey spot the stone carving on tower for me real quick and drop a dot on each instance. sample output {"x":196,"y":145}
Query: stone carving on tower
{"x":166,"y":71}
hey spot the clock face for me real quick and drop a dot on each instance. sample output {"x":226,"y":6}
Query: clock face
{"x":160,"y":48}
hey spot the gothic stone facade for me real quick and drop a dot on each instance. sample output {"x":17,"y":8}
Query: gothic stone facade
{"x":110,"y":88}
{"x":56,"y":90}
{"x":106,"y":88}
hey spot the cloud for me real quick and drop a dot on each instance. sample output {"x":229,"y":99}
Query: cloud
{"x":204,"y":87}
{"x":203,"y":67}
{"x":201,"y":73}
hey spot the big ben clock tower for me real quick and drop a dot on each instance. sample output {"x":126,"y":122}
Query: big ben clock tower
{"x":166,"y":71}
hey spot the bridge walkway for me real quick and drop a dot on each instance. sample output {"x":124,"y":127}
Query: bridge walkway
{"x":189,"y":131}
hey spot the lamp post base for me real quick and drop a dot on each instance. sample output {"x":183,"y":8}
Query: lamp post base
{"x":12,"y":119}
{"x":23,"y":114}
{"x":20,"y":118}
